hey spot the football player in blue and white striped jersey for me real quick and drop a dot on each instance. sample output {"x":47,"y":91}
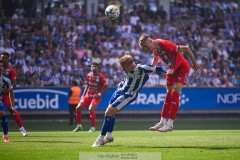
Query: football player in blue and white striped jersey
{"x":136,"y":76}
{"x":5,"y":84}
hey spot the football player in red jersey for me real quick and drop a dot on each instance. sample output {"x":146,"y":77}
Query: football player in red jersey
{"x":170,"y":54}
{"x":8,"y":95}
{"x":96,"y":85}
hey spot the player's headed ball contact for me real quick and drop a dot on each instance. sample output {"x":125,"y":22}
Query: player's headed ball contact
{"x":112,"y":12}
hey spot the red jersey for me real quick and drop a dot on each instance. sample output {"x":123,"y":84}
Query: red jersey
{"x":95,"y":83}
{"x":11,"y":74}
{"x":169,"y":53}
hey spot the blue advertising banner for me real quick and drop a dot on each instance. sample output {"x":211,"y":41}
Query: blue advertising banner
{"x":148,"y":99}
{"x":41,"y":98}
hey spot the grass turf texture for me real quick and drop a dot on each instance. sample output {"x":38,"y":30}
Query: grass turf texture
{"x":56,"y":141}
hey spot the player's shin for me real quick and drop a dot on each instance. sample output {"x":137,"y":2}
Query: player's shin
{"x":4,"y":124}
{"x":111,"y":124}
{"x":79,"y":117}
{"x":109,"y":137}
{"x":167,"y":105}
{"x":175,"y":105}
{"x":93,"y":118}
{"x":105,"y":125}
{"x":18,"y":119}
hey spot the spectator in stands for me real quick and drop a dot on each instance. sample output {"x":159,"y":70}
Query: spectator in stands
{"x":204,"y":24}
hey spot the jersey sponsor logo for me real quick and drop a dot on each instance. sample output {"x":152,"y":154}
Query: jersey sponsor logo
{"x":137,"y":72}
{"x":161,"y":52}
{"x":137,"y":76}
{"x":93,"y":83}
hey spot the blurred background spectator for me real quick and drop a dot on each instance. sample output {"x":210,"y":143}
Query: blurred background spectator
{"x":53,"y":42}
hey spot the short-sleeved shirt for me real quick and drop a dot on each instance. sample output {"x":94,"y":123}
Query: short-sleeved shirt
{"x":170,"y":54}
{"x":6,"y":84}
{"x":11,"y":74}
{"x":95,"y":83}
{"x":131,"y":84}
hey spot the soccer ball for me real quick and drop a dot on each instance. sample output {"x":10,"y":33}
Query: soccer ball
{"x":112,"y":12}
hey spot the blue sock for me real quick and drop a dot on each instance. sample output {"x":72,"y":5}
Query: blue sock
{"x":111,"y":124}
{"x":4,"y":124}
{"x":105,"y":125}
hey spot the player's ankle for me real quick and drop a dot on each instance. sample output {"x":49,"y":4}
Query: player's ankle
{"x":163,"y":120}
{"x":109,"y":134}
{"x":170,"y":123}
{"x":22,"y":129}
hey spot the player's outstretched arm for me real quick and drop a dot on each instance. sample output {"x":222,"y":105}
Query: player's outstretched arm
{"x":189,"y":53}
{"x":161,"y":69}
{"x":155,"y":60}
{"x":154,"y":69}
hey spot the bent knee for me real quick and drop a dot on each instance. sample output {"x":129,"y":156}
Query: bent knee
{"x":79,"y":107}
{"x":91,"y":109}
{"x":12,"y":110}
{"x":111,"y":111}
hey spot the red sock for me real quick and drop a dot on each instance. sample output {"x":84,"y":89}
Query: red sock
{"x":18,"y":119}
{"x":93,"y":118}
{"x":78,"y":117}
{"x":166,"y":106}
{"x":175,"y":105}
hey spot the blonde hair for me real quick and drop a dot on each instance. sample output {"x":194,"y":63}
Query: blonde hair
{"x":143,"y":38}
{"x":125,"y":61}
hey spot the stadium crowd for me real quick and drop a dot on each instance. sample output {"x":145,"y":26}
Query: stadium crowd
{"x":53,"y":50}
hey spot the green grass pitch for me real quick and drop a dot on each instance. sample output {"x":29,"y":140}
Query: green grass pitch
{"x":189,"y":141}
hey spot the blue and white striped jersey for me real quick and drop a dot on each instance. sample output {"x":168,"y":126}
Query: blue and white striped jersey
{"x":5,"y":84}
{"x":134,"y":80}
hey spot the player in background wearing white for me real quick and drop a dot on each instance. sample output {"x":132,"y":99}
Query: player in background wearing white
{"x":136,"y":76}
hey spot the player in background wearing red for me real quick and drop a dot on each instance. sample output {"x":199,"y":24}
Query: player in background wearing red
{"x":170,"y":54}
{"x":8,"y":95}
{"x":96,"y":85}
